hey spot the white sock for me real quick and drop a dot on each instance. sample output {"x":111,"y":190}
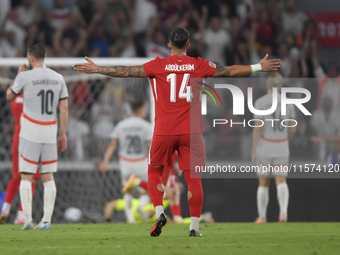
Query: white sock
{"x":262,"y":201}
{"x":6,"y":208}
{"x":20,"y":215}
{"x":128,"y":208}
{"x":195,"y":221}
{"x":50,"y":193}
{"x":159,"y":210}
{"x":143,"y":201}
{"x":26,"y":199}
{"x":283,"y":196}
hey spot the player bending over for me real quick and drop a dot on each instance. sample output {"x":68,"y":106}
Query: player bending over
{"x":13,"y":185}
{"x":134,"y":135}
{"x":43,"y":90}
{"x":270,"y":148}
{"x":176,"y":102}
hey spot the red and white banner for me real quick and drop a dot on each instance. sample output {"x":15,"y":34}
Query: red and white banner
{"x":329,"y":26}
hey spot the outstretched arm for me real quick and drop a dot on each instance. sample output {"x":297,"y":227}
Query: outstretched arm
{"x":243,"y":70}
{"x":114,"y":71}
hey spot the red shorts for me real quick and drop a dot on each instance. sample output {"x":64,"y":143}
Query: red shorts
{"x":15,"y":158}
{"x":190,"y":149}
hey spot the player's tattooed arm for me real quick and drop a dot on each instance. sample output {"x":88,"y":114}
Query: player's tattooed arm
{"x":232,"y":71}
{"x":114,"y":71}
{"x":221,"y":71}
{"x":123,"y":71}
{"x":265,"y":65}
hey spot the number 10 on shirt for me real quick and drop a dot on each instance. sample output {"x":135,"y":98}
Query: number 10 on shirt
{"x":185,"y":91}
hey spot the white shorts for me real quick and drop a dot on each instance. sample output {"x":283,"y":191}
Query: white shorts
{"x":31,"y":154}
{"x":127,"y":168}
{"x":272,"y":165}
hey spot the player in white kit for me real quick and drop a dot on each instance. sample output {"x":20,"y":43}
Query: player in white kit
{"x":43,"y":90}
{"x":270,"y":148}
{"x":133,"y":135}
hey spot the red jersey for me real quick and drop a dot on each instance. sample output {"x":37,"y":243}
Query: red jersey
{"x":17,"y":108}
{"x":177,"y":111}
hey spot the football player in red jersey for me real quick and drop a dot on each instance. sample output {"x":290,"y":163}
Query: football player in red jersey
{"x":13,"y":185}
{"x":178,"y":120}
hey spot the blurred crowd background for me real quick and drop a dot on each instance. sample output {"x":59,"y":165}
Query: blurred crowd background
{"x":225,"y":32}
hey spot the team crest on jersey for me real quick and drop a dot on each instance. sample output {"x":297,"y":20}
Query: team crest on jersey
{"x":212,"y":64}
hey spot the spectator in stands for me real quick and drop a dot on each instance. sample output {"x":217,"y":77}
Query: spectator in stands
{"x":286,"y":65}
{"x":71,"y":38}
{"x":5,"y":7}
{"x":10,"y":50}
{"x":325,"y":122}
{"x":127,"y":49}
{"x":265,"y":30}
{"x":115,"y":19}
{"x":45,"y":33}
{"x":214,"y":42}
{"x":310,"y":33}
{"x":234,"y":31}
{"x":145,"y":10}
{"x":145,"y":13}
{"x":273,"y":8}
{"x":292,"y":20}
{"x":329,"y":83}
{"x":293,"y":50}
{"x":33,"y":35}
{"x":11,"y":24}
{"x":86,"y":9}
{"x":99,"y":43}
{"x":165,"y":11}
{"x":224,"y":16}
{"x":244,"y":10}
{"x":28,"y":13}
{"x":241,"y":54}
{"x":254,"y":55}
{"x":60,"y":13}
{"x":113,"y":51}
{"x":156,"y":45}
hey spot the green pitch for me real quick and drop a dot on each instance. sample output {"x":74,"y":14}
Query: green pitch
{"x":219,"y":238}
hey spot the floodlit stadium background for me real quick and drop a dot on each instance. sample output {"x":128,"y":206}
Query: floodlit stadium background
{"x":304,"y":34}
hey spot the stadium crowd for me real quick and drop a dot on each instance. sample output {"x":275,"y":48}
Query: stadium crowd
{"x":225,"y":32}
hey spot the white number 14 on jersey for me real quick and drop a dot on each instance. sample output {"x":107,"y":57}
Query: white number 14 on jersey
{"x":184,"y":91}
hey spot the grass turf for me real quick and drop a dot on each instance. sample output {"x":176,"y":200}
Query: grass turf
{"x":219,"y":238}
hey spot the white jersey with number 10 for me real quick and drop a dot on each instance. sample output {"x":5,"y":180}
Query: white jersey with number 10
{"x":42,"y":89}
